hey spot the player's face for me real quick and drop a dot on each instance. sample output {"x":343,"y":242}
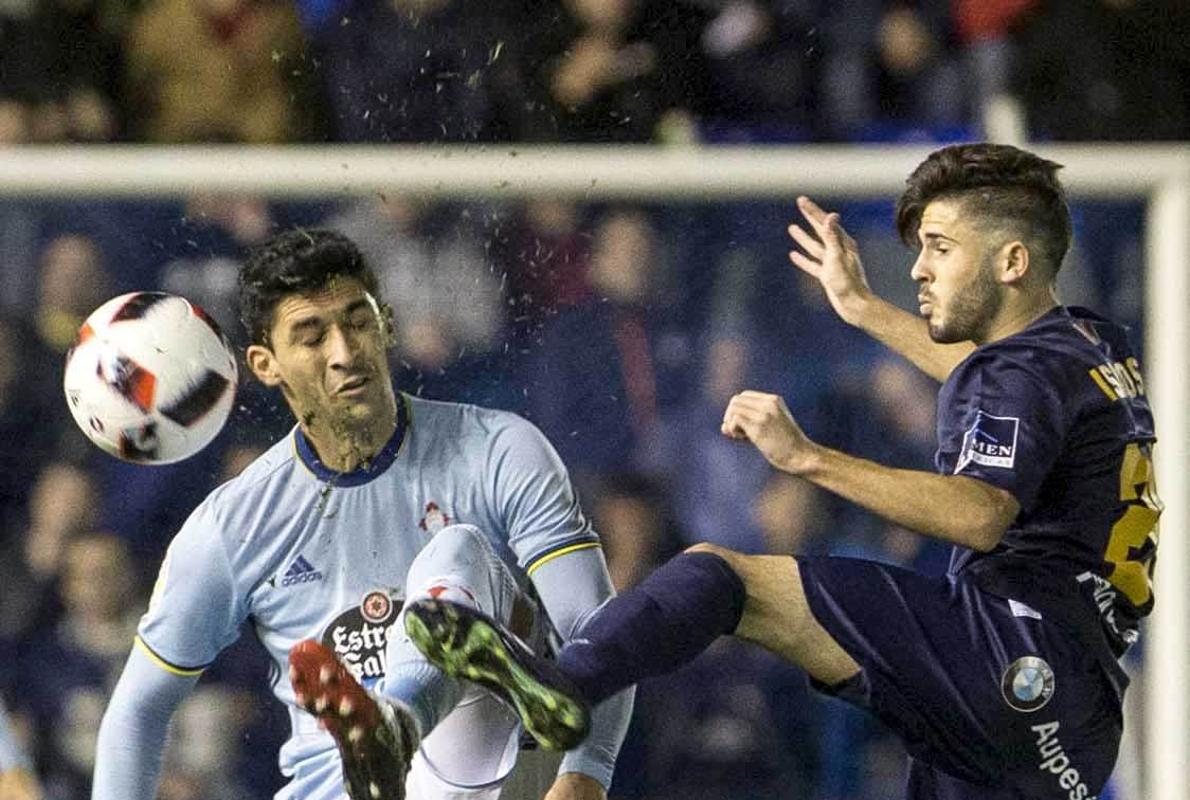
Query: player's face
{"x":328,"y":354}
{"x":958,"y":293}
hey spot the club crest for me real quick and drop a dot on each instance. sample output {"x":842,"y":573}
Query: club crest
{"x":435,"y":519}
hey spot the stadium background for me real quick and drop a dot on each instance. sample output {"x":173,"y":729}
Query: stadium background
{"x":620,"y":326}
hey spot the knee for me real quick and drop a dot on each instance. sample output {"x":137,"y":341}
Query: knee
{"x":730,"y":556}
{"x":707,"y":547}
{"x":460,"y":534}
{"x":736,"y":562}
{"x":749,"y":570}
{"x":455,"y":543}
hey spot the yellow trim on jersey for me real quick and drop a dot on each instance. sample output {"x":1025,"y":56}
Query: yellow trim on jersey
{"x":548,"y":557}
{"x":165,"y":665}
{"x":1103,"y":385}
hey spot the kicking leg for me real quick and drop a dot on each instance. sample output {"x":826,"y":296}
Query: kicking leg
{"x":777,"y":617}
{"x":378,"y":732}
{"x":460,"y":566}
{"x":376,"y":739}
{"x":652,"y":629}
{"x":468,"y":644}
{"x":682,"y":607}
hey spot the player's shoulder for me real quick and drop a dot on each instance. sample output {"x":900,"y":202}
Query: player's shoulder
{"x":269,"y":466}
{"x":1066,"y":339}
{"x":253,"y":488}
{"x":464,"y":419}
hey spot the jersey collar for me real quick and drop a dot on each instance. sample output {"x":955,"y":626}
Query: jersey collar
{"x":362,"y":475}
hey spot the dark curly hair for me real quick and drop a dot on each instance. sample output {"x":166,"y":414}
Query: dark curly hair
{"x":1001,"y":187}
{"x":295,"y":262}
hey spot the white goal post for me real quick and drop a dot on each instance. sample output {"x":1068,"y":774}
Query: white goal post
{"x":597,"y":173}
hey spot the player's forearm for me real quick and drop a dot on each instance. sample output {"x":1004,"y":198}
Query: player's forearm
{"x":956,"y":509}
{"x":596,"y":756}
{"x":571,"y":588}
{"x":907,"y":335}
{"x":132,"y":734}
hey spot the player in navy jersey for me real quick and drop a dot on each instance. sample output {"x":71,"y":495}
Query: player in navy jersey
{"x":1000,"y":677}
{"x":374,"y":498}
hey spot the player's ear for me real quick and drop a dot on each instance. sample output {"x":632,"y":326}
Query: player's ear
{"x":263,"y":364}
{"x":1013,"y":262}
{"x":388,"y":326}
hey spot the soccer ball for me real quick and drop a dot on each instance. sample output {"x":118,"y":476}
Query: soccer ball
{"x":150,"y":378}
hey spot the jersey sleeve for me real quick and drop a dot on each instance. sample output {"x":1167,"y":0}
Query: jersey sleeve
{"x":1001,"y":422}
{"x":195,"y":610}
{"x":132,"y":735}
{"x":533,"y":494}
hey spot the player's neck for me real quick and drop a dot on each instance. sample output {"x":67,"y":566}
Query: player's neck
{"x":1015,"y":317}
{"x":346,"y":448}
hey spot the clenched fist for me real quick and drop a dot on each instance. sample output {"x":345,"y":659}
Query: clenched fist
{"x":764,"y":420}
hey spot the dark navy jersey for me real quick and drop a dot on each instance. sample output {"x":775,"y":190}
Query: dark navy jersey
{"x":1057,"y":416}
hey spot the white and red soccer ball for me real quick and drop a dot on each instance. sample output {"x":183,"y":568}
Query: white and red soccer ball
{"x":150,"y":378}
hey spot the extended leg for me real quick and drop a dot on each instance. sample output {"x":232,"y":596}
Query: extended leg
{"x":652,"y":629}
{"x":378,"y":732}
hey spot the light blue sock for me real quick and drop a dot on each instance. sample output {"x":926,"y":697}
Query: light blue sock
{"x":424,"y":689}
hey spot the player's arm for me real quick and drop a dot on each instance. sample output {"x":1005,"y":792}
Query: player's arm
{"x":194,"y":613}
{"x":572,"y":586}
{"x":956,"y":508}
{"x":831,"y":256}
{"x":559,"y":550}
{"x":132,"y":734}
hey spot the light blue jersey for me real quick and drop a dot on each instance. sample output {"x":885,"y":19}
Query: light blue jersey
{"x":304,"y":552}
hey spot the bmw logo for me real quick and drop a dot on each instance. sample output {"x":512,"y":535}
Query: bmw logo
{"x":1028,"y":684}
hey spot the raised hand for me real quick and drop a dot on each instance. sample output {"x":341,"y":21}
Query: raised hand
{"x":831,"y":257}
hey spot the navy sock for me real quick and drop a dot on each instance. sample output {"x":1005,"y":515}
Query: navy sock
{"x":655,"y":627}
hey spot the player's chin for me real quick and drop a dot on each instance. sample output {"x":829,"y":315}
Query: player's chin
{"x":941,"y":333}
{"x":360,"y":409}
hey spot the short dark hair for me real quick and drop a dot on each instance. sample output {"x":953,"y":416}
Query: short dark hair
{"x":998,"y":184}
{"x":295,"y":262}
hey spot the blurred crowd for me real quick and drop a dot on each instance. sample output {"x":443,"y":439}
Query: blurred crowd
{"x":279,"y":71}
{"x":620,"y":330}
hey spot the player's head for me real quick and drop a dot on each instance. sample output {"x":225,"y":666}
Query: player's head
{"x":316,"y":329}
{"x":993,"y":225}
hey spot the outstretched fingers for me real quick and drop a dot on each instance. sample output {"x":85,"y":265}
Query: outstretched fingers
{"x":828,"y":225}
{"x":812,"y":212}
{"x":812,"y":246}
{"x":811,"y":260}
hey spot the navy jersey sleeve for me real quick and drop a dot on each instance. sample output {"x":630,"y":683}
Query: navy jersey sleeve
{"x":1001,"y":421}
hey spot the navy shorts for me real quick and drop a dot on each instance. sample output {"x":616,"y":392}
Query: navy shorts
{"x":991,"y":701}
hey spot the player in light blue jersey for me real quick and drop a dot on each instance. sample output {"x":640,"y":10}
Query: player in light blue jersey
{"x":16,"y":780}
{"x":375,"y":498}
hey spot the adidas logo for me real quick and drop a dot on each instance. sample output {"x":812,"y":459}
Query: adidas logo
{"x":300,"y":571}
